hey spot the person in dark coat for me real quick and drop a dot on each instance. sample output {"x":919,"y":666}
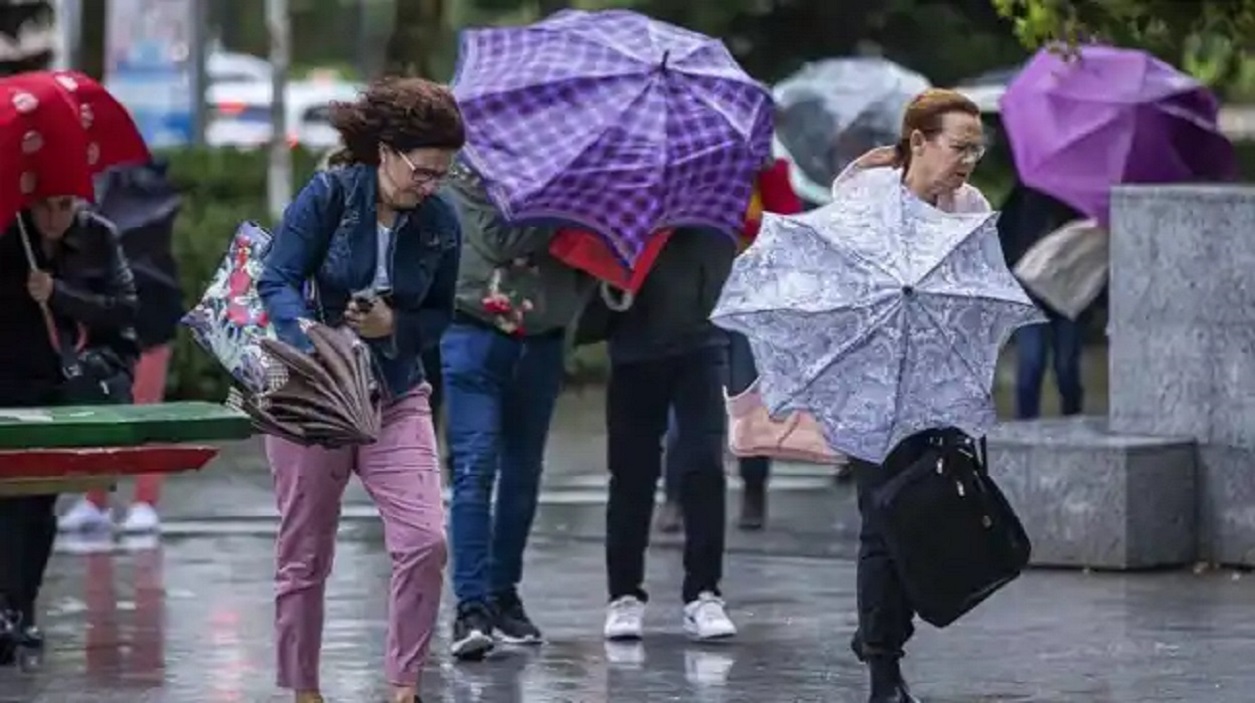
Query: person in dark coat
{"x":80,"y":276}
{"x":142,"y":203}
{"x":1027,"y":216}
{"x":666,"y":354}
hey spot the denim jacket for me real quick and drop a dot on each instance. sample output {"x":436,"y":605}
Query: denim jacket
{"x":329,"y":232}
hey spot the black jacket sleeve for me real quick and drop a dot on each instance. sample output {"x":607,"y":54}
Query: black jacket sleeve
{"x":107,"y":300}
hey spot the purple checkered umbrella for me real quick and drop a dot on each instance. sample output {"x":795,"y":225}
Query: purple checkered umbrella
{"x":614,"y":121}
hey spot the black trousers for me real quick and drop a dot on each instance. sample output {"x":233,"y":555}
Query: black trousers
{"x":638,"y":400}
{"x":885,"y":613}
{"x":29,"y":524}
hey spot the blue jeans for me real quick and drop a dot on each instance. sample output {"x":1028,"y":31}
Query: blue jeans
{"x":741,"y":373}
{"x":1060,"y":338}
{"x":500,"y":394}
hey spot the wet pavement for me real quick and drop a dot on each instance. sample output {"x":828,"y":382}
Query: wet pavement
{"x":187,"y":620}
{"x":190,"y":623}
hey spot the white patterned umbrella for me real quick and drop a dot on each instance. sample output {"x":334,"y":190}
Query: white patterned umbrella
{"x":878,"y":314}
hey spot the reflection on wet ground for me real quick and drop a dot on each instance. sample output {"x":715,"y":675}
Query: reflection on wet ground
{"x":190,"y":623}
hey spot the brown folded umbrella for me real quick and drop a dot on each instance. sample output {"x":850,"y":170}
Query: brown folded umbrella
{"x":327,"y":398}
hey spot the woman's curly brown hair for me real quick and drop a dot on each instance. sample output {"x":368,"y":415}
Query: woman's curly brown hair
{"x":400,"y":113}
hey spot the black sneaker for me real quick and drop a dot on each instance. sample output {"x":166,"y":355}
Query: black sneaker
{"x":10,"y":634}
{"x":472,"y":632}
{"x":512,"y":624}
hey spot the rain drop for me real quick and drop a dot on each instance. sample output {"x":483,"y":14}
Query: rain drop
{"x":28,"y":182}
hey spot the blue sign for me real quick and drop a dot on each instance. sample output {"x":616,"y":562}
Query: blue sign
{"x":148,"y":67}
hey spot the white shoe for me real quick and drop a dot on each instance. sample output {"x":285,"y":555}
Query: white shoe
{"x":85,"y":517}
{"x":141,"y":519}
{"x":706,"y":618}
{"x":625,"y":619}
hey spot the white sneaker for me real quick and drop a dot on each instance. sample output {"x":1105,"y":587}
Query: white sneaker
{"x":625,"y":619}
{"x":141,"y":519}
{"x":85,"y":517}
{"x":706,"y":618}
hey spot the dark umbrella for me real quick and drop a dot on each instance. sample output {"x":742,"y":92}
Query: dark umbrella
{"x":143,"y":204}
{"x":328,"y":398}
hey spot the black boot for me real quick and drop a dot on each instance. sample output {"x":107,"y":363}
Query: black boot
{"x":888,"y":685}
{"x":753,"y":507}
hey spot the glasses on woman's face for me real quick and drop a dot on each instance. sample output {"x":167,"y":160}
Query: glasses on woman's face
{"x":968,"y":152}
{"x":422,"y":176}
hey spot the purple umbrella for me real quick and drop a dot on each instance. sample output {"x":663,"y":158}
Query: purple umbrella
{"x":1111,"y":116}
{"x":614,"y":121}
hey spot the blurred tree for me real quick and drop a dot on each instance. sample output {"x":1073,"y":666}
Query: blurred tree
{"x":421,"y":38}
{"x":1212,"y":39}
{"x":945,"y":40}
{"x":27,"y":36}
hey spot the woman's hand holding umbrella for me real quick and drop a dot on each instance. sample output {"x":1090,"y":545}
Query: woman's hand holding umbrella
{"x":370,"y":320}
{"x":40,"y":284}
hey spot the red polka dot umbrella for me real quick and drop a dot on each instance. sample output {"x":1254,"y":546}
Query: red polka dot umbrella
{"x":57,"y":130}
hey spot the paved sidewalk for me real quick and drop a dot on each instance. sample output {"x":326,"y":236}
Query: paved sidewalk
{"x":191,"y":624}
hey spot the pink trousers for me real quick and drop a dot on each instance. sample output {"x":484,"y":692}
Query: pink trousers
{"x":401,"y":472}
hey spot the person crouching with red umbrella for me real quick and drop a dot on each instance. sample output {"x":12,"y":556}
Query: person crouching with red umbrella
{"x":67,"y":307}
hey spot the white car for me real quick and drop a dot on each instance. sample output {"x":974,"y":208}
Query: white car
{"x":233,"y":67}
{"x":240,"y":113}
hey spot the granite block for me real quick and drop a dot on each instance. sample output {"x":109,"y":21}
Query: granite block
{"x":1092,"y":498}
{"x":1182,"y":312}
{"x":1183,"y":252}
{"x":1227,"y":505}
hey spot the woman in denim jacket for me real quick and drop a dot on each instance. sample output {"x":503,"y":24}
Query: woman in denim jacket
{"x":383,"y":252}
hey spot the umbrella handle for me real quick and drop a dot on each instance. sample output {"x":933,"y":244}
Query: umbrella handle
{"x":49,"y":324}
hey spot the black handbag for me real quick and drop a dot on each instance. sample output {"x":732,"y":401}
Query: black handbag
{"x":93,"y":376}
{"x":954,"y":538}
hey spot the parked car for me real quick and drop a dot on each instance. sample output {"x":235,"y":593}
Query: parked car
{"x":240,"y":113}
{"x":234,"y":67}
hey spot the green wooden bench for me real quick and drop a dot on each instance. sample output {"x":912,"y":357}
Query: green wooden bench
{"x":75,"y":449}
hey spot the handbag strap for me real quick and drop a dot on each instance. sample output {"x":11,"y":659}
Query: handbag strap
{"x":313,"y":297}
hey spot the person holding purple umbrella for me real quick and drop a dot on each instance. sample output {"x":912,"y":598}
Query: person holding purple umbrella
{"x":503,"y":369}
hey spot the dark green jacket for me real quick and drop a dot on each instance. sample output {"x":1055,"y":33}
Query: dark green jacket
{"x":516,"y":257}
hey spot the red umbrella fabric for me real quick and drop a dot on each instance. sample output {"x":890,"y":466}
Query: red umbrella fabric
{"x":589,"y":253}
{"x":57,"y":130}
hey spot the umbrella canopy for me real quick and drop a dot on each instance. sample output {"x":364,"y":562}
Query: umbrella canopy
{"x":878,"y":314}
{"x":328,"y":399}
{"x":142,"y":204}
{"x":1111,"y":116}
{"x":833,"y":111}
{"x":614,"y":122}
{"x":58,"y":129}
